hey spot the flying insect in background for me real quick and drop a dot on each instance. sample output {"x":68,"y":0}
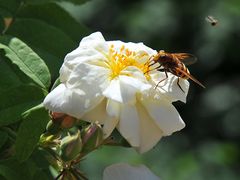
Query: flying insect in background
{"x":213,"y":21}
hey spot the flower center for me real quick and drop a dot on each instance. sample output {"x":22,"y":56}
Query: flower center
{"x":119,"y":60}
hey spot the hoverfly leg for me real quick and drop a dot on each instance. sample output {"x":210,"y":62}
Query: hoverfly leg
{"x":150,"y":60}
{"x":161,"y":80}
{"x":179,"y":85}
{"x":152,"y":69}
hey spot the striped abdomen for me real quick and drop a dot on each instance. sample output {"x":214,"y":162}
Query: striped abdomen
{"x":179,"y":70}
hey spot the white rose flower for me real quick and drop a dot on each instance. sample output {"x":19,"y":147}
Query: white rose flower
{"x":123,"y":171}
{"x":110,"y":82}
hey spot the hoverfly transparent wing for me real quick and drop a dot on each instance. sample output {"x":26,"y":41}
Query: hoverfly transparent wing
{"x":186,"y":58}
{"x":190,"y":77}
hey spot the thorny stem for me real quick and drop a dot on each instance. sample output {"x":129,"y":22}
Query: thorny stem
{"x":79,"y":174}
{"x":75,"y":172}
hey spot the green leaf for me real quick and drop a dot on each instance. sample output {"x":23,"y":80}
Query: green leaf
{"x":9,"y":7}
{"x":3,"y":139}
{"x":78,"y":2}
{"x":36,"y":167}
{"x":15,"y":101}
{"x":50,"y":31}
{"x":27,"y":60}
{"x":48,"y":40}
{"x":11,"y":75}
{"x":75,"y":1}
{"x":1,"y":24}
{"x":33,"y":125}
{"x":8,"y":173}
{"x":40,"y":175}
{"x":12,"y":169}
{"x":56,"y":16}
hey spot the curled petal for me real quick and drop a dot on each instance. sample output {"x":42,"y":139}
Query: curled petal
{"x":128,"y":125}
{"x":91,"y":49}
{"x":99,"y":114}
{"x":95,"y":41}
{"x":113,"y":108}
{"x":169,"y":86}
{"x":165,"y":115}
{"x":78,"y":96}
{"x":150,"y":133}
{"x":124,"y":88}
{"x":64,"y":100}
{"x":109,"y":126}
{"x":55,"y":101}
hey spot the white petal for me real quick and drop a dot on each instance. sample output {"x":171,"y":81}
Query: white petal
{"x":91,"y":49}
{"x":100,"y":114}
{"x":89,"y":78}
{"x":128,"y":125}
{"x":109,"y":126}
{"x":80,"y":56}
{"x":137,"y":47}
{"x":129,"y":87}
{"x":113,"y":91}
{"x":93,"y":42}
{"x":150,"y":133}
{"x":128,"y":92}
{"x":68,"y":101}
{"x":96,"y":41}
{"x":124,"y":88}
{"x":123,"y":171}
{"x":119,"y":91}
{"x":169,"y":87}
{"x":79,"y":96}
{"x":135,"y":78}
{"x":54,"y":101}
{"x":143,"y":53}
{"x":113,"y":108}
{"x":165,"y":115}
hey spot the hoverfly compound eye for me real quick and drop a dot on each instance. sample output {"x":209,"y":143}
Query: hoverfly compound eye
{"x":162,"y":53}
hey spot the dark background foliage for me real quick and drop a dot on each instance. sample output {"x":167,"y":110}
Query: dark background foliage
{"x":208,"y":148}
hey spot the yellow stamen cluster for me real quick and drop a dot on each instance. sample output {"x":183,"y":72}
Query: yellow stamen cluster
{"x":119,"y":60}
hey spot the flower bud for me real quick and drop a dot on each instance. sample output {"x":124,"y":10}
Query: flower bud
{"x":70,"y":147}
{"x":64,"y":120}
{"x":92,"y":137}
{"x":49,"y":140}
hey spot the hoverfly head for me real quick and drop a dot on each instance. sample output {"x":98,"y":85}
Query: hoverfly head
{"x":162,"y":54}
